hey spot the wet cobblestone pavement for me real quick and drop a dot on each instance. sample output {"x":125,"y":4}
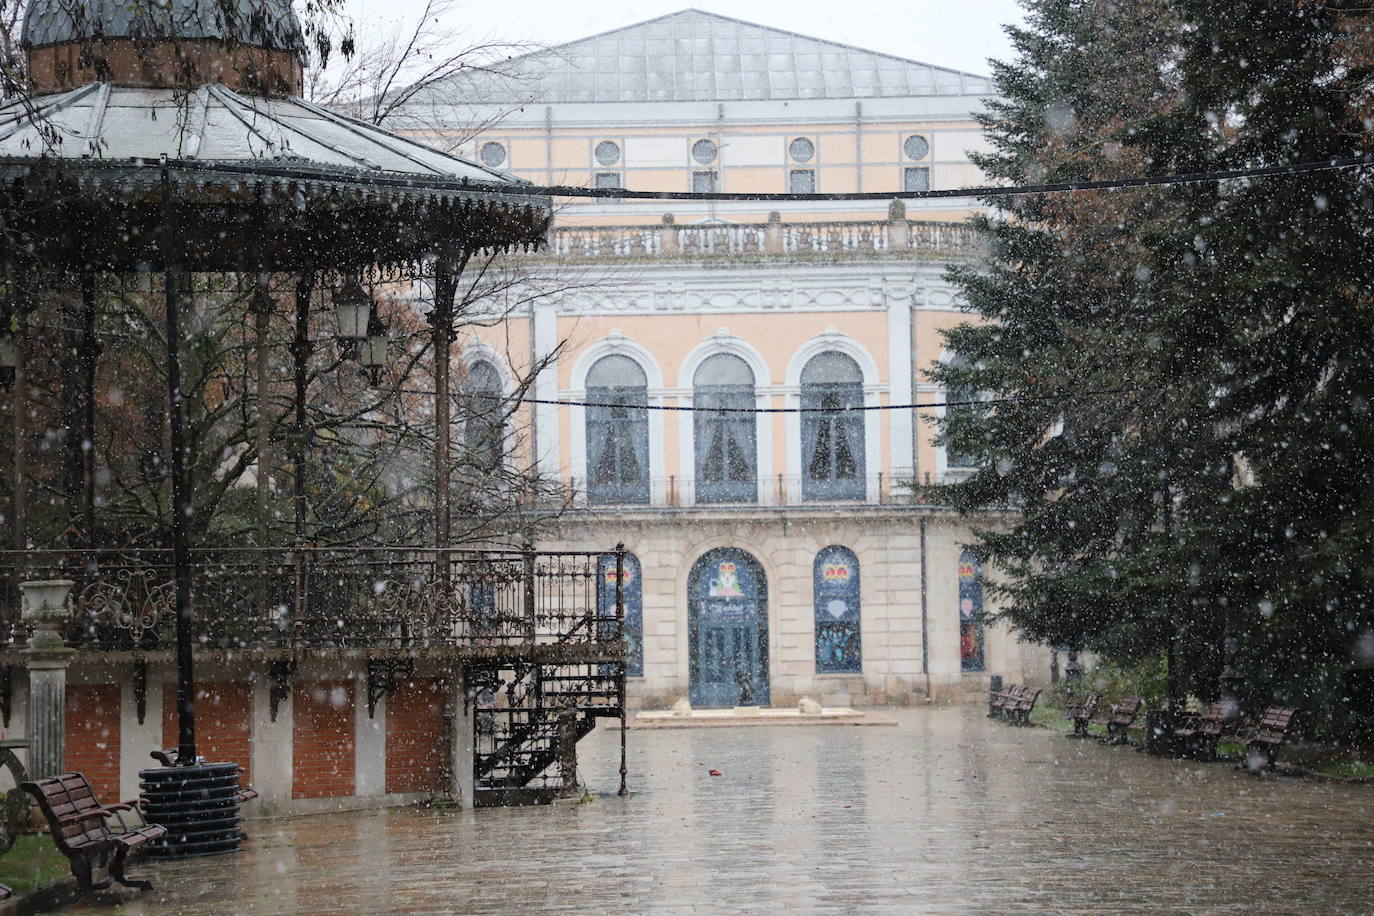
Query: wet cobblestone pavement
{"x":947,"y":812}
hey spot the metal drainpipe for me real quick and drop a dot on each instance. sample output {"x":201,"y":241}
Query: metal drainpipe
{"x":925,"y":631}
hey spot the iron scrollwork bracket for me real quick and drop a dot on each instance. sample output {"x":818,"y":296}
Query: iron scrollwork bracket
{"x":381,"y":679}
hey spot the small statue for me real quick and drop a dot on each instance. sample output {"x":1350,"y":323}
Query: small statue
{"x":746,"y":688}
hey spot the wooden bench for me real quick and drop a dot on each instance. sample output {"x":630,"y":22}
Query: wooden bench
{"x":997,"y":701}
{"x":1018,"y":710}
{"x":167,"y":756}
{"x":1268,"y":737}
{"x":90,"y":834}
{"x":1119,"y":719}
{"x":1200,"y":733}
{"x":1080,"y":711}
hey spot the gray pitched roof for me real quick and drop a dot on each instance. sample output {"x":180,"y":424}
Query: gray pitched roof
{"x":698,"y":56}
{"x":260,"y":23}
{"x":215,"y":124}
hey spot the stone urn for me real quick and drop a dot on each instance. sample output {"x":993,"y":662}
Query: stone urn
{"x":45,"y":607}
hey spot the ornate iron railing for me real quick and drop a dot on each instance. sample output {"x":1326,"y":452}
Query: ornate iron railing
{"x":323,"y":598}
{"x":679,"y":492}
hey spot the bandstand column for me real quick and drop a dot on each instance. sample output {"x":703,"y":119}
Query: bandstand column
{"x":262,"y":317}
{"x":441,"y":322}
{"x":301,"y":349}
{"x":88,"y":358}
{"x":19,"y":405}
{"x":175,"y":289}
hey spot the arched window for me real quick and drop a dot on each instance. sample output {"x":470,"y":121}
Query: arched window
{"x":835,"y":583}
{"x":617,"y":434}
{"x":632,"y":595}
{"x":726,"y":453}
{"x":958,"y":402}
{"x":484,"y":417}
{"x":832,"y":428}
{"x":970,"y":613}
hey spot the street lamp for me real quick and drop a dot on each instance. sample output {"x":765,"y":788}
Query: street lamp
{"x":352,"y":309}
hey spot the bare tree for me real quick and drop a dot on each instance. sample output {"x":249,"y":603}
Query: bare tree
{"x":389,"y":78}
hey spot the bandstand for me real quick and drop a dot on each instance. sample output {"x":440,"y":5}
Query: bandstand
{"x":164,"y":144}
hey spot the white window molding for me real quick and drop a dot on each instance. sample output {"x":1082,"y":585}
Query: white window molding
{"x":832,"y":339}
{"x":725,"y":342}
{"x":612,"y":344}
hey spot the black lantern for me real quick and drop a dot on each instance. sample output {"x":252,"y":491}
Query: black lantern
{"x":352,"y":309}
{"x":372,"y":351}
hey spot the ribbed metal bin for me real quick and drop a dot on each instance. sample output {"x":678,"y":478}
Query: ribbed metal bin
{"x":199,"y":807}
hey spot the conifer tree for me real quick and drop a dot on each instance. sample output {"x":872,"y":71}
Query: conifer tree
{"x":1148,"y":351}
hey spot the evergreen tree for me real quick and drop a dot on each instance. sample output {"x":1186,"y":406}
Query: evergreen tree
{"x":1146,"y":351}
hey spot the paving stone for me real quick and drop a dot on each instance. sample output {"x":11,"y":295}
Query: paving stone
{"x":945,"y":813}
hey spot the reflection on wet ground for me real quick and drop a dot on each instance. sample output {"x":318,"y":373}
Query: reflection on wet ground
{"x":948,"y":812}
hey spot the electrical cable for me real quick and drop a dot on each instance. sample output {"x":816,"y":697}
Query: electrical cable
{"x":432,"y":182}
{"x":858,"y":408}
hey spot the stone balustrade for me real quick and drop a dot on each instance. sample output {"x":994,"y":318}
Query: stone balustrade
{"x":893,"y":237}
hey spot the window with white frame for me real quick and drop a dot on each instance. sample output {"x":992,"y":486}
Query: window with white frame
{"x":832,"y":428}
{"x":726,"y":446}
{"x":617,"y":432}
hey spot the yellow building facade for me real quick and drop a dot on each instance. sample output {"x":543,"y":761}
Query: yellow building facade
{"x":728,"y":386}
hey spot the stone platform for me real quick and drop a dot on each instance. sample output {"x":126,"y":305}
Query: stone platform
{"x":754,"y":716}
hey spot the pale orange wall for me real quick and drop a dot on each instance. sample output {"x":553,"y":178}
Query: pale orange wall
{"x":671,"y":338}
{"x":838,"y":159}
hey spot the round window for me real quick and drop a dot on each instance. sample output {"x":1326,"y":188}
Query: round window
{"x":493,"y":154}
{"x":801,"y":149}
{"x":915,"y":147}
{"x":607,"y":152}
{"x":704,"y":151}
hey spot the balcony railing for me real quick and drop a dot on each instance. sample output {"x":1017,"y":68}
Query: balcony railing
{"x":321,"y":598}
{"x":893,"y":237}
{"x":772,"y":490}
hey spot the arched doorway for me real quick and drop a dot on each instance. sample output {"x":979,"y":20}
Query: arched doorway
{"x":727,"y":617}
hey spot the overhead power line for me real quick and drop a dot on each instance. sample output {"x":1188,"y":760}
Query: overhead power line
{"x":434,"y":183}
{"x":858,"y":408}
{"x":981,"y":191}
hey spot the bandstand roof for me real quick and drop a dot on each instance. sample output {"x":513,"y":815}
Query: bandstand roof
{"x":215,"y":124}
{"x":326,"y":189}
{"x":253,"y":180}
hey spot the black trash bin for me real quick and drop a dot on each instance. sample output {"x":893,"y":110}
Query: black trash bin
{"x":199,"y":806}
